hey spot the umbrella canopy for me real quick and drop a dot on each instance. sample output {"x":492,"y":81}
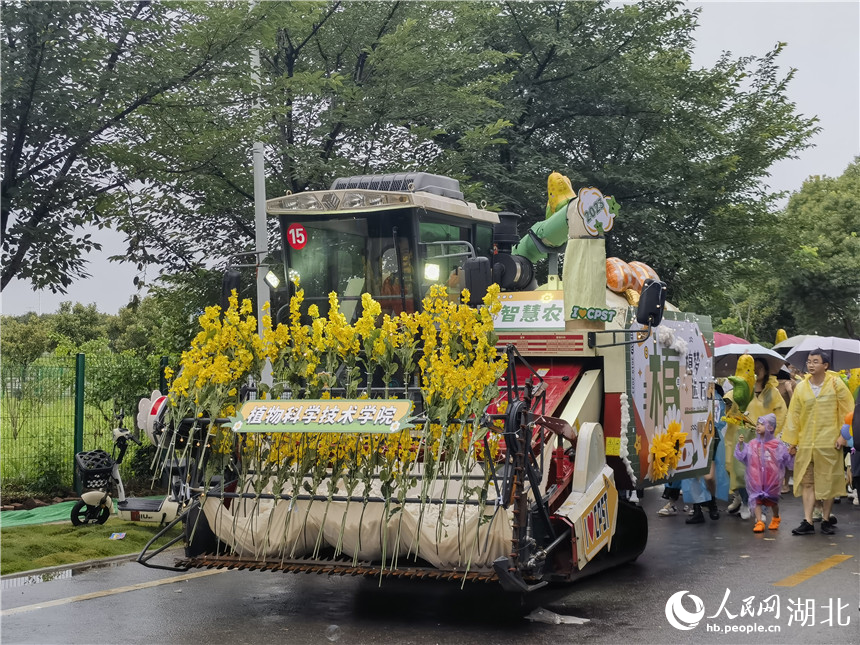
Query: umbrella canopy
{"x":790,"y":343}
{"x":844,"y":352}
{"x":726,"y":357}
{"x":721,"y":339}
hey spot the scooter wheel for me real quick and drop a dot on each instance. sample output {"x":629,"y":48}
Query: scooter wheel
{"x":83,"y":513}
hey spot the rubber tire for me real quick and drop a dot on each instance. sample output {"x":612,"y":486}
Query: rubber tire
{"x":82,"y":514}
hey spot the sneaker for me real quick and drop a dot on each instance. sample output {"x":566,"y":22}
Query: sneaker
{"x":833,"y":520}
{"x":668,"y":509}
{"x":774,"y":524}
{"x":759,"y":527}
{"x":805,"y":528}
{"x":785,"y":489}
{"x":745,"y":512}
{"x":735,"y":506}
{"x":856,"y":501}
{"x":817,"y":514}
{"x":827,"y":527}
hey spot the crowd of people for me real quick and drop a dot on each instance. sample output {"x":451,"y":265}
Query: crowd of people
{"x":795,"y":439}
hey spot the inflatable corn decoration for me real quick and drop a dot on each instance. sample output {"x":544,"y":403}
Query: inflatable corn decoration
{"x":854,"y":381}
{"x":743,"y":382}
{"x":780,"y":336}
{"x":559,"y":190}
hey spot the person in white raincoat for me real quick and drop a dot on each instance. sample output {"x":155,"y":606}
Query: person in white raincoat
{"x":812,"y":431}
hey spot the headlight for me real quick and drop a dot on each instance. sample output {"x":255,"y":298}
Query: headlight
{"x":353,"y":200}
{"x":431,"y":272}
{"x":272,"y":280}
{"x":300,"y":202}
{"x":308,"y":201}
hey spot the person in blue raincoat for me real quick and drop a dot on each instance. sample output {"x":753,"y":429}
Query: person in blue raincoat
{"x":703,"y":491}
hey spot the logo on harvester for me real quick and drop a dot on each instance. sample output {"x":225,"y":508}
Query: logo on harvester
{"x":680,"y":618}
{"x":597,"y":520}
{"x":592,"y":313}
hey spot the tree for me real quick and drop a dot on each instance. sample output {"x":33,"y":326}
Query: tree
{"x":345,"y":90}
{"x":608,"y":95}
{"x":24,"y":339}
{"x":496,"y":94}
{"x":166,"y":320}
{"x":73,"y":73}
{"x":77,"y":324}
{"x":818,"y":258}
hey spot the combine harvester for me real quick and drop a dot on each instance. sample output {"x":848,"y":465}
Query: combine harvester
{"x":408,"y":435}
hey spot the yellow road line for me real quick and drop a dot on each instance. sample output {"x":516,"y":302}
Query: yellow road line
{"x":814,"y":570}
{"x":109,"y":592}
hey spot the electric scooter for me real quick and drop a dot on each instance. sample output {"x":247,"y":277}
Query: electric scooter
{"x":99,"y":472}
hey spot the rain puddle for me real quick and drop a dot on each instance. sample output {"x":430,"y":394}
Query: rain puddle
{"x":22,"y":580}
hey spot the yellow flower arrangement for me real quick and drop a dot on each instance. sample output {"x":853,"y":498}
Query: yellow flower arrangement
{"x":665,"y":450}
{"x":444,"y":358}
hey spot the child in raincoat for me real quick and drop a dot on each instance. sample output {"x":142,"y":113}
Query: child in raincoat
{"x":766,"y":459}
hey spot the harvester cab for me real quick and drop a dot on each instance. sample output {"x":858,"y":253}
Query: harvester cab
{"x":589,"y":406}
{"x":390,"y":236}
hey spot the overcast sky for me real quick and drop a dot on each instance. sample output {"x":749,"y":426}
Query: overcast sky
{"x":823,"y":45}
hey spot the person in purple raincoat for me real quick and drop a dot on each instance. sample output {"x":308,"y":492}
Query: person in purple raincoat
{"x":766,"y":459}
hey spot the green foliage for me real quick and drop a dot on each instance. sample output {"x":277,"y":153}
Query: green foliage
{"x":817,"y":279}
{"x":73,"y":73}
{"x":77,"y":324}
{"x":24,"y":339}
{"x":116,"y":381}
{"x":49,"y":479}
{"x":165,"y":321}
{"x":37,"y":424}
{"x":23,"y":394}
{"x":608,"y":95}
{"x":495,"y":94}
{"x":803,"y":277}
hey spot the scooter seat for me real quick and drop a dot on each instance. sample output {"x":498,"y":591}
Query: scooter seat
{"x":142,"y":505}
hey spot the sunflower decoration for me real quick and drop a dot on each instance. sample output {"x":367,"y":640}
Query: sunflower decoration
{"x":665,"y":450}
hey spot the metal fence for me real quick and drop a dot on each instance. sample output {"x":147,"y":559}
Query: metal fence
{"x":55,"y":406}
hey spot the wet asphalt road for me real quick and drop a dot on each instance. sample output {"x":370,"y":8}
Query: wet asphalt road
{"x":128,"y":603}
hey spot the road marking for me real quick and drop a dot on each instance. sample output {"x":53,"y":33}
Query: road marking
{"x":110,"y":592}
{"x":814,"y":570}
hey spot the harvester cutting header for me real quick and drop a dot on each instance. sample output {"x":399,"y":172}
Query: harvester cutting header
{"x":434,"y":412}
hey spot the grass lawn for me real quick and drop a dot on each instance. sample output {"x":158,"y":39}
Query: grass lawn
{"x":23,"y":548}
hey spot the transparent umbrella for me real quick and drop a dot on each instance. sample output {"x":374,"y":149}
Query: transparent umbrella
{"x":844,"y":352}
{"x":790,"y":343}
{"x":726,"y":357}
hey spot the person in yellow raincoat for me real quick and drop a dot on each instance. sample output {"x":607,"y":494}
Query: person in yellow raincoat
{"x":812,"y":432}
{"x":767,"y":400}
